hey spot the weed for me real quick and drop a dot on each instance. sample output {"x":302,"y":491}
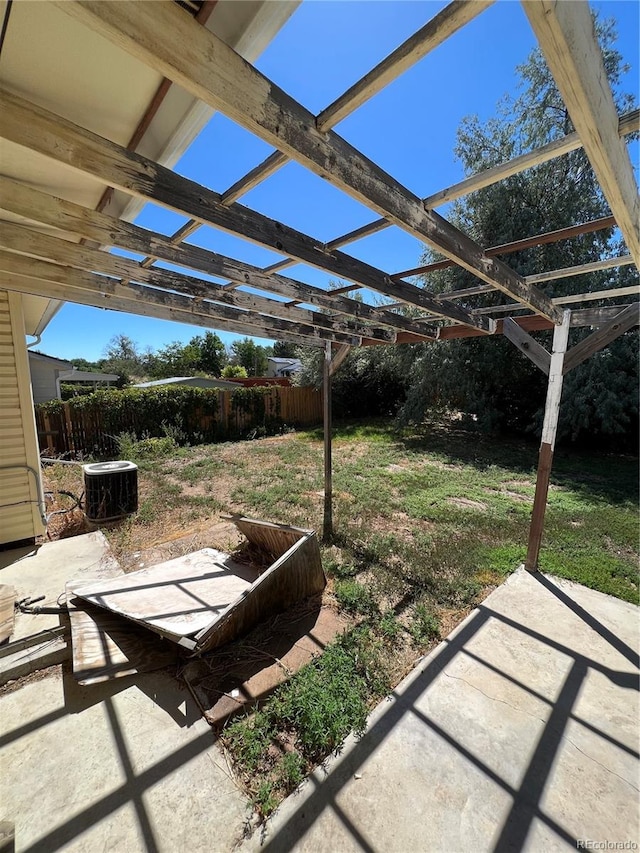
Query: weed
{"x":425,"y":626}
{"x":265,"y":798}
{"x":354,"y":597}
{"x":389,"y":626}
{"x":291,"y":770}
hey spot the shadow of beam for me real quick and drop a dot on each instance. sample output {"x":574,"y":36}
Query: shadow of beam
{"x":619,"y":645}
{"x":526,"y":801}
{"x":63,"y":834}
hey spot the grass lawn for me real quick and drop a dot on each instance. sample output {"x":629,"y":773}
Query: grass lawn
{"x":427,"y":524}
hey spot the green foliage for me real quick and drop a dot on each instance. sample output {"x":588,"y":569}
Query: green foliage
{"x":251,"y":356}
{"x":261,"y":407}
{"x":133,"y":449}
{"x":486,"y":378}
{"x":203,"y":354}
{"x":354,"y":597}
{"x":233,"y":371}
{"x":425,"y":626}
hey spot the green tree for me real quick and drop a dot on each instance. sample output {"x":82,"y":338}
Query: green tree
{"x":233,"y":371}
{"x":202,"y":354}
{"x":253,"y":357}
{"x":486,"y":377}
{"x":122,"y":356}
{"x":284,"y":349}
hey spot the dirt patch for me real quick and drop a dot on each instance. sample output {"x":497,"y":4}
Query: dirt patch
{"x":507,"y":493}
{"x":223,"y":536}
{"x":465,"y":503}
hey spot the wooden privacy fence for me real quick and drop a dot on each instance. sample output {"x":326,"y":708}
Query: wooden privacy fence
{"x":93,"y":430}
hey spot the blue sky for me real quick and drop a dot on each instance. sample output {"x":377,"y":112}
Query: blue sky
{"x":409,"y":129}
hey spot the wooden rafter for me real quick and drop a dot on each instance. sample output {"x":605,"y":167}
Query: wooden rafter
{"x":628,"y":123}
{"x":534,"y":351}
{"x":17,"y":238}
{"x":84,"y":288}
{"x":213,"y":72}
{"x":566,"y":35}
{"x":448,"y":21}
{"x":108,"y":231}
{"x":55,"y":137}
{"x":443,"y":25}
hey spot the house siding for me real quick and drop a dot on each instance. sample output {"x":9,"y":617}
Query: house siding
{"x":19,"y":515}
{"x":43,"y":381}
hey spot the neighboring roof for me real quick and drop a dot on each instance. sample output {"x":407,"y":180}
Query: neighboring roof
{"x":198,"y":381}
{"x":285,"y":360}
{"x":87,"y":376}
{"x":50,"y":359}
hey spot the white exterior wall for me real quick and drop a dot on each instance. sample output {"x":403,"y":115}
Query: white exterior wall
{"x":43,"y":381}
{"x":19,"y":512}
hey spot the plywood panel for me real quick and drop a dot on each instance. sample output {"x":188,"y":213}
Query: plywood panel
{"x":274,"y":539}
{"x":296,"y":575}
{"x":178,"y":598}
{"x":106,"y":646}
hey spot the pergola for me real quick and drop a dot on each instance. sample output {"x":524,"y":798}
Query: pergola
{"x":58,"y":249}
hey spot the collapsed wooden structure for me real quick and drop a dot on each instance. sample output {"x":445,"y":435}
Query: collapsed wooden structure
{"x":198,"y":602}
{"x":58,"y":249}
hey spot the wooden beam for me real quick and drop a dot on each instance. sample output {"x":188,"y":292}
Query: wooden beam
{"x":101,"y":289}
{"x":108,"y":231}
{"x":517,"y":246}
{"x":55,"y":137}
{"x":625,"y":320}
{"x":17,"y":238}
{"x":447,"y":22}
{"x":581,"y":269}
{"x":442,"y":26}
{"x":627,"y":123}
{"x":146,"y":306}
{"x":327,"y":521}
{"x":595,"y":316}
{"x":339,"y":358}
{"x":575,"y":299}
{"x":567,"y":38}
{"x":213,"y":72}
{"x":534,"y":351}
{"x":549,"y":429}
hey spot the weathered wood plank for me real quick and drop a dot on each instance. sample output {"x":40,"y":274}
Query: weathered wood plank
{"x":339,"y":358}
{"x":327,"y":523}
{"x":581,"y":269}
{"x":625,"y":320}
{"x":176,"y":599}
{"x":55,"y":137}
{"x":68,"y":285}
{"x":595,"y":316}
{"x":18,"y":238}
{"x":567,"y":38}
{"x":108,"y":231}
{"x":627,"y":123}
{"x":572,"y":299}
{"x":213,"y":72}
{"x":105,"y":646}
{"x":534,"y":351}
{"x":273,"y":539}
{"x":548,"y":440}
{"x":296,"y":575}
{"x":447,"y":22}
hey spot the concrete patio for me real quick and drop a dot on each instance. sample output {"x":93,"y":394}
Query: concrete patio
{"x":519,"y":732}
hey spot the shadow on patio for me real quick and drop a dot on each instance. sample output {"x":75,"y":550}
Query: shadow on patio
{"x":518,"y":732}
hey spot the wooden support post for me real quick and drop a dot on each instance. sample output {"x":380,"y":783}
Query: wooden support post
{"x":549,"y":428}
{"x":327,"y":526}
